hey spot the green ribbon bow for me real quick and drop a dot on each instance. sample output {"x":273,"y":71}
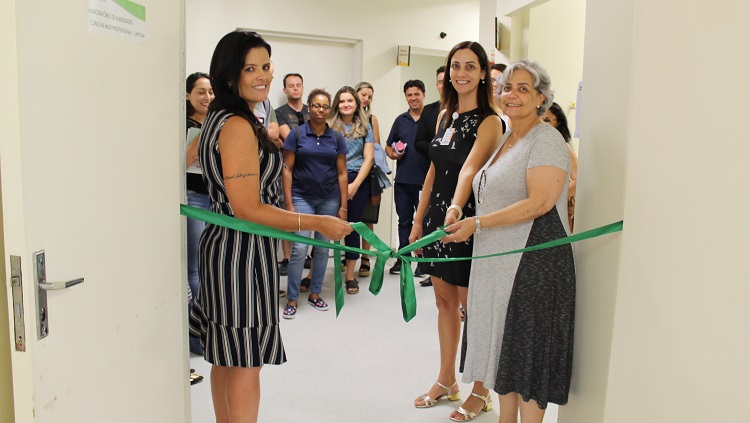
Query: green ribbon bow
{"x":383,"y":251}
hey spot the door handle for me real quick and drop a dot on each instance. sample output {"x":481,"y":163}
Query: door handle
{"x":56,"y":286}
{"x":40,"y":275}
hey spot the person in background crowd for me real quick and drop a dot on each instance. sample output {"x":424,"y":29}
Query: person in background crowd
{"x":199,"y":95}
{"x":468,"y":132}
{"x":497,"y":74}
{"x":423,"y":139}
{"x":349,"y":118}
{"x":294,"y":113}
{"x":412,"y":165}
{"x":236,"y":311}
{"x":556,"y":117}
{"x":371,"y":214}
{"x":315,"y":182}
{"x":519,"y":327}
{"x":289,"y":116}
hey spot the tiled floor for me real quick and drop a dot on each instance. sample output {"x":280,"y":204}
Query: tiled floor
{"x":367,"y":365}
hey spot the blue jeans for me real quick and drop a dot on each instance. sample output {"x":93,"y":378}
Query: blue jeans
{"x":321,"y":207}
{"x":194,"y":232}
{"x":356,"y":208}
{"x":406,"y":197}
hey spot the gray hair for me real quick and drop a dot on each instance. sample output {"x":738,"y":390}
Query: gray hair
{"x":542,"y":81}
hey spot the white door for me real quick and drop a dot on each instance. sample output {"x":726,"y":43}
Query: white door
{"x":89,"y":154}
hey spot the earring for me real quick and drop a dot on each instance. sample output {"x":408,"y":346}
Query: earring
{"x":481,"y":81}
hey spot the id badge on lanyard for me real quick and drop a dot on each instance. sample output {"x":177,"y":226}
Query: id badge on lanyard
{"x":447,"y":136}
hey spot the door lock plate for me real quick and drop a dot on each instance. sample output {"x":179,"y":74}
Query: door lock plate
{"x":40,"y":275}
{"x":16,"y":284}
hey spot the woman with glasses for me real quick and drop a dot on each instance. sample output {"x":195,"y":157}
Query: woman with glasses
{"x":519,"y":329}
{"x":555,"y":117}
{"x":468,"y":131}
{"x":349,"y":118}
{"x":315,"y":182}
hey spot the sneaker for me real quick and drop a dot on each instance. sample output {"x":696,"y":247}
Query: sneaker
{"x":396,"y":269}
{"x":426,"y":282}
{"x":290,"y":312}
{"x":282,"y":293}
{"x":318,"y":303}
{"x":284,"y":267}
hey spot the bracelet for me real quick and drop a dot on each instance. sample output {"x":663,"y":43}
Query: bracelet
{"x":457,"y":209}
{"x":344,"y":209}
{"x":479,"y":225}
{"x":299,"y":222}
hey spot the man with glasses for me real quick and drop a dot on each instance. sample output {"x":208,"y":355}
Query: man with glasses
{"x":294,"y":113}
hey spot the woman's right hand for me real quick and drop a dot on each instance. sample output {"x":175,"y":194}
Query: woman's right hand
{"x":416,"y":233}
{"x":333,"y":228}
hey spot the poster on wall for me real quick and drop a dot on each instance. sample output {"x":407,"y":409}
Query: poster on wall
{"x":117,"y":18}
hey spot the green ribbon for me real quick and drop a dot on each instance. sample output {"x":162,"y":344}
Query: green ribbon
{"x":382,"y":251}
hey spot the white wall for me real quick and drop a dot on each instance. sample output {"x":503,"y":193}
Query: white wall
{"x":600,"y":200}
{"x":681,"y":313}
{"x":422,"y":67}
{"x":556,"y":30}
{"x":664,"y":140}
{"x":381,"y":27}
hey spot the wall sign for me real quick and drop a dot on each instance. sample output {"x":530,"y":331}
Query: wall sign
{"x":117,"y":18}
{"x":404,"y":54}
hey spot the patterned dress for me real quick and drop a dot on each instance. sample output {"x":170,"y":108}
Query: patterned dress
{"x":448,"y":159}
{"x":236,"y":309}
{"x":518,"y":335}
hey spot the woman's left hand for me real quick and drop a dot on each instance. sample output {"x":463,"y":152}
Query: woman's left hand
{"x":460,"y":231}
{"x":342,"y":214}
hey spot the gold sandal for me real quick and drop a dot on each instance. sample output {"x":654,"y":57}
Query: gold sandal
{"x":429,"y":402}
{"x":469,"y":415}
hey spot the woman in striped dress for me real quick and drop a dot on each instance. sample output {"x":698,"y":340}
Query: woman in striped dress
{"x":236,"y":310}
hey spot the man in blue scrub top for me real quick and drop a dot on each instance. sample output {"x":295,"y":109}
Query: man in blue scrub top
{"x":412,"y":165}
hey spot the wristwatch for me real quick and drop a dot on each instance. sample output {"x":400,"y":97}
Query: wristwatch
{"x":479,"y":225}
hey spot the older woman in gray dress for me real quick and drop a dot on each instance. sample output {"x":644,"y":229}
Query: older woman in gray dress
{"x":519,"y":333}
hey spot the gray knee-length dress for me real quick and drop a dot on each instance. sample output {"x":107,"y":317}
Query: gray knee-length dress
{"x":519,"y":327}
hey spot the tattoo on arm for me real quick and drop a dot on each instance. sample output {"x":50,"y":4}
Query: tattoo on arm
{"x":240,"y":175}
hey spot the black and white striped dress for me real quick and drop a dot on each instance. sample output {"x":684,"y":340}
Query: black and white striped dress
{"x":236,"y":309}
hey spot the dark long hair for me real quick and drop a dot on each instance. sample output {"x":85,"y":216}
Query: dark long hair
{"x":562,"y":121}
{"x":189,"y":85}
{"x":226,"y":66}
{"x":485,"y":103}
